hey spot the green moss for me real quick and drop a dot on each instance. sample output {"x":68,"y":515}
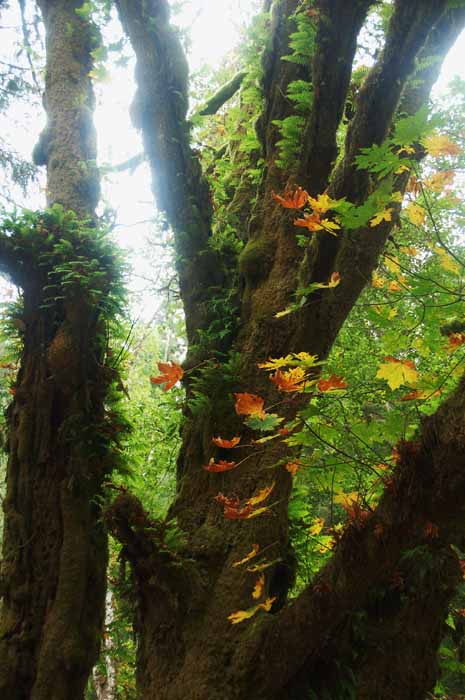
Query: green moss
{"x":256,"y":259}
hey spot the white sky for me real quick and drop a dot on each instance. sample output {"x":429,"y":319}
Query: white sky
{"x":214,"y":30}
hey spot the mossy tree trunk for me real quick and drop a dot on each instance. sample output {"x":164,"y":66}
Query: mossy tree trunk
{"x":187,"y":647}
{"x":55,"y":547}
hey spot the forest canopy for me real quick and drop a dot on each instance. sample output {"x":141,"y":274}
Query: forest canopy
{"x":257,"y":488}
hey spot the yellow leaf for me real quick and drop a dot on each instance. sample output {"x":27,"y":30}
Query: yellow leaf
{"x":392,"y":264}
{"x":397,"y":372}
{"x":259,"y":587}
{"x":330,"y":226}
{"x":392,"y":314}
{"x":385,"y":215}
{"x":253,"y":553}
{"x":257,"y":512}
{"x":409,"y":250}
{"x":322,"y":203}
{"x":447,"y":262}
{"x":286,"y":312}
{"x":277,"y":363}
{"x":402,"y":169}
{"x":316,"y":528}
{"x":415,"y":214}
{"x":242,"y":615}
{"x":347,"y":499}
{"x":441,"y":145}
{"x":261,"y":496}
{"x":377,"y":281}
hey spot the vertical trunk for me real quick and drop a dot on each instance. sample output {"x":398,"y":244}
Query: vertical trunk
{"x":55,"y":549}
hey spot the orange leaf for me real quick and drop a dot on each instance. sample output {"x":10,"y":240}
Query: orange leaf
{"x":259,"y":587}
{"x":310,"y":221}
{"x":430,"y":530}
{"x":170,"y":374}
{"x":242,"y":615}
{"x":226,"y":444}
{"x":221,"y":466}
{"x":232,"y":502}
{"x":290,"y":381}
{"x":249,"y":405}
{"x":333,"y":383}
{"x":253,"y":553}
{"x":292,"y":201}
{"x":455,"y":341}
{"x":293,"y":467}
{"x":234,"y":513}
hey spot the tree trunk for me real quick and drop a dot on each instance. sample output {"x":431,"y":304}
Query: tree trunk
{"x":187,"y":646}
{"x":55,"y":547}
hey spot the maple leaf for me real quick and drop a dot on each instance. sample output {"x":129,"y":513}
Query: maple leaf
{"x":310,"y":221}
{"x":292,"y":201}
{"x":377,"y":281}
{"x":418,"y":395}
{"x":226,"y":444}
{"x":431,"y":531}
{"x":261,"y":496}
{"x":441,"y":145}
{"x":230,"y":502}
{"x":171,"y":373}
{"x":259,"y":587}
{"x":439,"y":181}
{"x":273,"y":364}
{"x":334,"y":281}
{"x":322,"y":203}
{"x":236,"y":513}
{"x":397,"y":372}
{"x":394,"y":286}
{"x":293,"y":467}
{"x":333,"y":383}
{"x":416,"y":214}
{"x":265,"y":423}
{"x":455,"y":341}
{"x":291,"y":381}
{"x":385,"y":215}
{"x":249,"y":405}
{"x":317,"y":527}
{"x":253,"y":553}
{"x":447,"y":262}
{"x":242,"y":615}
{"x":221,"y":466}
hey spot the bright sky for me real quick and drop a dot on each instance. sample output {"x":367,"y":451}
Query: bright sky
{"x":214,"y":28}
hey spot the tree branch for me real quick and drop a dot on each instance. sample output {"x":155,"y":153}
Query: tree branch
{"x":222,"y":96}
{"x":339,"y":25}
{"x":354,"y":254}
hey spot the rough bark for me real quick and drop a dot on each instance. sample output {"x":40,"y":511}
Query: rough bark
{"x":187,"y":647}
{"x":55,"y":548}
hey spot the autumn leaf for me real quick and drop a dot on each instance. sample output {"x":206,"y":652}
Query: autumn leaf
{"x":273,"y":364}
{"x":292,"y":201}
{"x":394,"y":286}
{"x":431,"y":531}
{"x":439,"y":181}
{"x":227,"y":501}
{"x":291,"y":381}
{"x":242,"y":615}
{"x":397,"y":372}
{"x":317,"y":527}
{"x":226,"y":444}
{"x":385,"y":215}
{"x":259,"y":587}
{"x":310,"y":221}
{"x":446,"y":261}
{"x":377,"y":281}
{"x":333,"y":383}
{"x":249,"y":405}
{"x":441,"y":145}
{"x":233,"y":513}
{"x":261,"y":496}
{"x":416,"y":214}
{"x":221,"y":466}
{"x":334,"y":281}
{"x":171,"y":373}
{"x":293,"y":467}
{"x":455,"y":341}
{"x":321,"y":204}
{"x":253,"y":553}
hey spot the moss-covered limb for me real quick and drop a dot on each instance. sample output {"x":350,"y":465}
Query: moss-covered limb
{"x":380,"y":561}
{"x":68,"y":144}
{"x":222,"y":95}
{"x":130,"y":164}
{"x":339,"y":25}
{"x":355,"y":254}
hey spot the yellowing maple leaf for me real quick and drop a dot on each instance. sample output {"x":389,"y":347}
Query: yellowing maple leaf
{"x":409,"y":250}
{"x":385,"y":215}
{"x":334,"y":281}
{"x":249,"y":405}
{"x":322,"y":203}
{"x":171,"y":373}
{"x":394,"y":286}
{"x":277,"y":363}
{"x":261,"y":496}
{"x":440,"y":180}
{"x":397,"y":372}
{"x":377,"y":281}
{"x":253,"y":553}
{"x":291,"y":381}
{"x":447,"y":262}
{"x":415,"y":213}
{"x":259,"y":587}
{"x":316,"y":527}
{"x":441,"y":145}
{"x":242,"y":615}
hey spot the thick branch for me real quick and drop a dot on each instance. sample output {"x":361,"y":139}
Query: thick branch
{"x":339,"y":26}
{"x":224,"y":94}
{"x":426,"y":491}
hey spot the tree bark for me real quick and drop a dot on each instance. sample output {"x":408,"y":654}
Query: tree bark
{"x":187,"y":647}
{"x":55,"y":547}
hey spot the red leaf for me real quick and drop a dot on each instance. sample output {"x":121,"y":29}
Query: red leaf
{"x":333,"y":383}
{"x":292,"y":201}
{"x":221,"y":466}
{"x":226,"y":444}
